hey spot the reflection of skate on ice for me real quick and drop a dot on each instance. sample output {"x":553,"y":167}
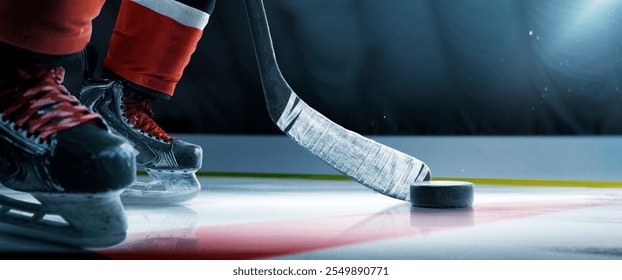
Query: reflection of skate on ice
{"x":62,"y":154}
{"x":170,"y":162}
{"x":161,"y":229}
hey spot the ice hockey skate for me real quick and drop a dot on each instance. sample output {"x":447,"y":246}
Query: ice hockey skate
{"x":170,"y":162}
{"x":62,"y":154}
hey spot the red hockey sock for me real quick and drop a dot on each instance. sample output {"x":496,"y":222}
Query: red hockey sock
{"x":58,"y":27}
{"x":153,"y":41}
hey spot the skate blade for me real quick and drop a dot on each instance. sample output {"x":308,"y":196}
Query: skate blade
{"x":166,"y":187}
{"x":79,"y":220}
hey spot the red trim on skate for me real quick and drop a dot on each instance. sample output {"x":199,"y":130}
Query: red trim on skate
{"x":150,"y":49}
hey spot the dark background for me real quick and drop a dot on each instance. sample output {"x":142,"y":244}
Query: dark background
{"x":409,"y":67}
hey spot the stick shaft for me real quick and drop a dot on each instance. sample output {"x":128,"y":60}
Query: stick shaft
{"x":271,"y":78}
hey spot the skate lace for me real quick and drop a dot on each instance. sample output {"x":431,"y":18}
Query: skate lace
{"x":40,"y":105}
{"x":139,"y":113}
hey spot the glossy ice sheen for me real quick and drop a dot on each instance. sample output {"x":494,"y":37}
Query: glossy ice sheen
{"x":236,"y":218}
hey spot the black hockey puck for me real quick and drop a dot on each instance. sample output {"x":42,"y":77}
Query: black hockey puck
{"x":441,"y":194}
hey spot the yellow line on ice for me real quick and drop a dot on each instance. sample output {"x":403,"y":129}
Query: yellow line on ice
{"x":480,"y":181}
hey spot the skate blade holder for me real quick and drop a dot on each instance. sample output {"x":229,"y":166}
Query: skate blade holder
{"x":74,"y":219}
{"x":441,"y":194}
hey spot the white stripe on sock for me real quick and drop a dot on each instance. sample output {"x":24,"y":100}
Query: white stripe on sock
{"x":179,"y":12}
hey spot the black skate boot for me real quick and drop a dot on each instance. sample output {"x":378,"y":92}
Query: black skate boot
{"x":170,"y":162}
{"x":63,"y":155}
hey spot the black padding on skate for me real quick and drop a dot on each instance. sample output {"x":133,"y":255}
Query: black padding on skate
{"x":441,"y":194}
{"x":99,"y":161}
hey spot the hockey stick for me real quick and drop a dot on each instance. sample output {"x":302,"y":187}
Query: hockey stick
{"x":370,"y":163}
